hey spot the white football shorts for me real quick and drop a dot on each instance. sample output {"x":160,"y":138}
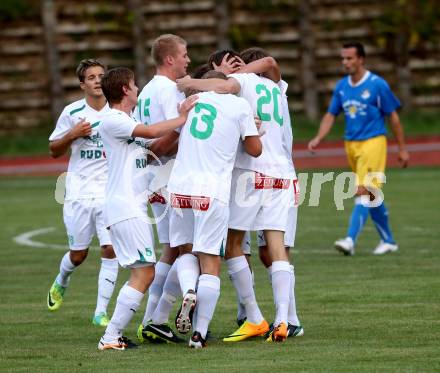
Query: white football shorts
{"x":133,"y":242}
{"x":201,"y":221}
{"x":290,"y":232}
{"x":83,"y":219}
{"x":258,"y":202}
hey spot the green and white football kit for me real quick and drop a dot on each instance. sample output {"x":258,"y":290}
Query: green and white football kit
{"x":157,"y":102}
{"x":86,"y":177}
{"x":200,"y":181}
{"x":125,"y":208}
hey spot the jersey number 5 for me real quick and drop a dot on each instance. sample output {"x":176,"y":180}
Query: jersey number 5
{"x":265,"y":99}
{"x":207,"y":117}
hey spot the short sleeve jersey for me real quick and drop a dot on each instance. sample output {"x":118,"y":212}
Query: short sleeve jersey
{"x":264,"y":96}
{"x":158,"y":102}
{"x":365,"y":104}
{"x":87,"y":170}
{"x":126,"y":192}
{"x":208,"y":145}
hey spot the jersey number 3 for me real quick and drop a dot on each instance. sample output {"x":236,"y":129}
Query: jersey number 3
{"x":207,"y":117}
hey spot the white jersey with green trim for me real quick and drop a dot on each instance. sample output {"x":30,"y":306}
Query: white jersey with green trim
{"x":87,"y":171}
{"x":126,"y":193}
{"x":208,"y":145}
{"x":157,"y":102}
{"x":265,"y":98}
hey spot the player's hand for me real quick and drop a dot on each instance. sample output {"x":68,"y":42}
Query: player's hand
{"x":313,"y":144}
{"x":184,"y":83}
{"x":81,"y":129}
{"x":258,"y":123}
{"x":187,"y":105}
{"x":403,"y":158}
{"x":228,"y":67}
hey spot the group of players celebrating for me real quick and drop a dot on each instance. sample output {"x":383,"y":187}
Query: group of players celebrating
{"x":212,"y":155}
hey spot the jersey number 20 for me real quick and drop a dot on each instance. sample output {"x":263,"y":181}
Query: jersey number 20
{"x":265,"y":99}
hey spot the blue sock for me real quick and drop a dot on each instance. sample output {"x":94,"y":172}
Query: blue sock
{"x":358,"y":219}
{"x":379,"y":215}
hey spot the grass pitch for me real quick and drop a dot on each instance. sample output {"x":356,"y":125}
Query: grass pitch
{"x":361,"y":313}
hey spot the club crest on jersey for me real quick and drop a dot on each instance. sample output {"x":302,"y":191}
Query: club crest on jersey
{"x":366,"y":94}
{"x":354,"y":108}
{"x":96,"y":140}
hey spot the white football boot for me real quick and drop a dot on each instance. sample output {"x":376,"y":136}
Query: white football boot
{"x":384,"y":248}
{"x":345,"y":246}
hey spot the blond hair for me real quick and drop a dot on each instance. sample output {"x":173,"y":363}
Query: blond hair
{"x":165,"y":45}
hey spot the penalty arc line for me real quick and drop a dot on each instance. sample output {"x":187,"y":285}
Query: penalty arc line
{"x":26,"y":239}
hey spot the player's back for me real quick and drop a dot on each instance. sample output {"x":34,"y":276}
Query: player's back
{"x":208,"y":145}
{"x":265,"y":98}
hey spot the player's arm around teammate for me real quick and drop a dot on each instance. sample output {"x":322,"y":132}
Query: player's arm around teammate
{"x":200,"y":191}
{"x":125,"y":207}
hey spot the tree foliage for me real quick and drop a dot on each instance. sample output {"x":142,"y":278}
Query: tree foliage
{"x":406,"y":25}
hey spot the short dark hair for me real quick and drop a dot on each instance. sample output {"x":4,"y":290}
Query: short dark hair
{"x":165,"y":45}
{"x":84,"y":65}
{"x":200,"y":71}
{"x":213,"y":74}
{"x":113,"y":81}
{"x":217,"y":56}
{"x":253,"y":54}
{"x":360,"y":50}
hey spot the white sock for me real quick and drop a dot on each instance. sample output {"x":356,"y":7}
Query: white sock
{"x":281,"y":289}
{"x":106,"y":283}
{"x":241,"y":309}
{"x":171,"y":290}
{"x":208,"y":292}
{"x":292,"y":317}
{"x":156,"y":289}
{"x":240,"y":274}
{"x":128,"y":302}
{"x":194,"y":320}
{"x":188,"y":271}
{"x":66,"y":268}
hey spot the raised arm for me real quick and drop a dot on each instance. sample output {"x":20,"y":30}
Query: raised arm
{"x":397,"y":128}
{"x":59,"y":147}
{"x":324,"y":128}
{"x":217,"y":85}
{"x":159,"y":129}
{"x":266,"y":66}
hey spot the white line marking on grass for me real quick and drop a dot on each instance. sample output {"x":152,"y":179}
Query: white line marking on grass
{"x":25,"y":239}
